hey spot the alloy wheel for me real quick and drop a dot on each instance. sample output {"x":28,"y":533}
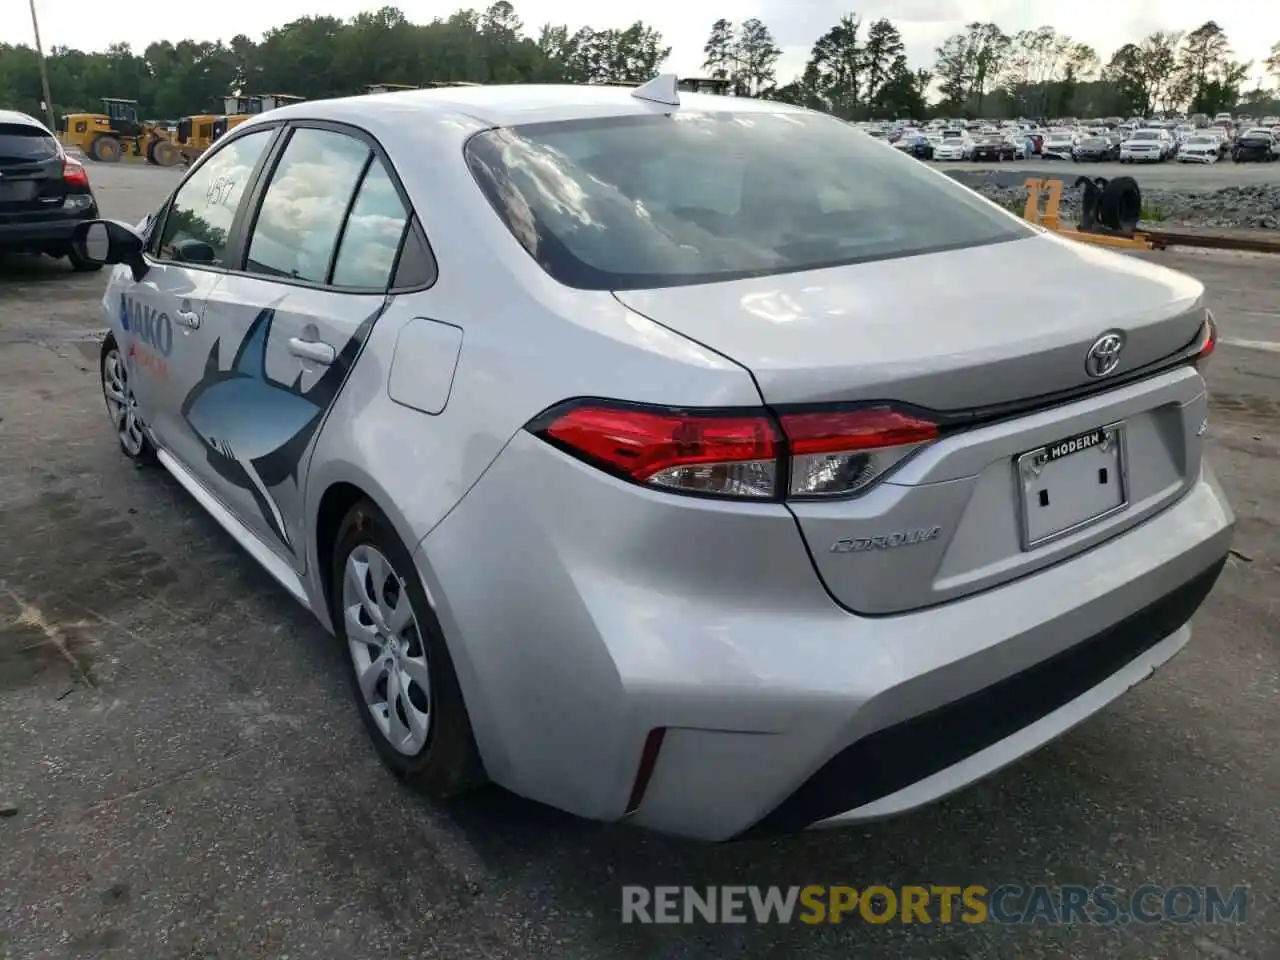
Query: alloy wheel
{"x":387,"y":649}
{"x":122,"y":406}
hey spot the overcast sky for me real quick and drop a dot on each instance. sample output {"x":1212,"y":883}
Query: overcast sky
{"x":1252,"y":25}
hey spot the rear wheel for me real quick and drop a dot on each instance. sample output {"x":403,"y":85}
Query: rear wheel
{"x":106,"y":149}
{"x":122,"y":406}
{"x":401,"y":674}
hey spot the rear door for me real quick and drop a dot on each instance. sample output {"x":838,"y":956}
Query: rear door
{"x":31,"y":179}
{"x":318,"y":257}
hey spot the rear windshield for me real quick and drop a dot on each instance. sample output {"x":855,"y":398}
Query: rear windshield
{"x":656,"y":201}
{"x":22,"y":143}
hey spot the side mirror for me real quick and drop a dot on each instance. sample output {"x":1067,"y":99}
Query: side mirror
{"x":193,"y":251}
{"x":109,"y":241}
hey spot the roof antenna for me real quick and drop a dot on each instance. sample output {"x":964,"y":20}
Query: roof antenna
{"x":661,"y":89}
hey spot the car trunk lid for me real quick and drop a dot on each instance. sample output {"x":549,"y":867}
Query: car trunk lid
{"x":950,"y":331}
{"x":993,"y":338}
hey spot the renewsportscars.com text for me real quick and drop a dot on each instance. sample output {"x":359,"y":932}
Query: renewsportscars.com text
{"x":1100,"y":905}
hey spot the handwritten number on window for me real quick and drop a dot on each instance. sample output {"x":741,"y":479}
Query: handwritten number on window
{"x":220,"y":190}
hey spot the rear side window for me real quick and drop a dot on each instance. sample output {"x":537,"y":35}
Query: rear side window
{"x":24,"y":143}
{"x":653,"y":201}
{"x":303,"y":208}
{"x":371,"y":237}
{"x":205,"y":205}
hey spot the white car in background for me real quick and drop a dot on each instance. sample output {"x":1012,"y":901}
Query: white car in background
{"x":1059,"y":145}
{"x":1149,"y":145}
{"x":953,"y":148}
{"x":1019,"y":141}
{"x":1201,"y":148}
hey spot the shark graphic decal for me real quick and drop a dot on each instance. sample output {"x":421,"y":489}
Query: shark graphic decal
{"x":255,"y":430}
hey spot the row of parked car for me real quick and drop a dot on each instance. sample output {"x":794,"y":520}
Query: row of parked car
{"x":1144,"y":145}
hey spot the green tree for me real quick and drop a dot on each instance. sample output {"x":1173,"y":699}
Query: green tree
{"x":1125,"y":75}
{"x":970,"y":65}
{"x":719,"y":50}
{"x":756,"y":57}
{"x":1272,"y":63}
{"x":880,"y":61}
{"x":321,"y":56}
{"x":833,"y":75}
{"x":1158,"y":56}
{"x":1201,"y":52}
{"x":902,"y":94}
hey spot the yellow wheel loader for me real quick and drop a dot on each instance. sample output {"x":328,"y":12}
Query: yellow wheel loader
{"x":116,"y":134}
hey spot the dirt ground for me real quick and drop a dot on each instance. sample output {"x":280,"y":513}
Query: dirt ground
{"x":182,"y":773}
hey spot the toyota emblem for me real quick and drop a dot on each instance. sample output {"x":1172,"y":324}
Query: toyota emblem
{"x":1104,"y":356}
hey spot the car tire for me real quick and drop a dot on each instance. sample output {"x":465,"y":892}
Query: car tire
{"x":447,"y":762}
{"x":122,"y":408}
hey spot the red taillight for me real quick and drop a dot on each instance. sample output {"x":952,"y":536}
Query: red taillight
{"x":73,"y":173}
{"x":866,"y":429}
{"x":1208,"y":338}
{"x":697,"y":452}
{"x":839,"y":452}
{"x":802,"y":454}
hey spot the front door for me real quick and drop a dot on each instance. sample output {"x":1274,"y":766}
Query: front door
{"x":287,"y":327}
{"x":158,"y":318}
{"x":186,"y":256}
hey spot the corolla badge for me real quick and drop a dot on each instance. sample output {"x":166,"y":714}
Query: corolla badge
{"x":1104,"y":356}
{"x":888,"y":541}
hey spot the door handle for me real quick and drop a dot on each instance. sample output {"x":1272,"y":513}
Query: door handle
{"x":188,"y":319}
{"x":314,"y":350}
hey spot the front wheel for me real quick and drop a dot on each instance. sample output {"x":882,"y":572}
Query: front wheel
{"x":106,"y":150}
{"x":122,"y":406}
{"x":401,"y":673}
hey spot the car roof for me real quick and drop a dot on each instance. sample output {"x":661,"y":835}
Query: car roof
{"x":22,"y":119}
{"x":504,"y":105}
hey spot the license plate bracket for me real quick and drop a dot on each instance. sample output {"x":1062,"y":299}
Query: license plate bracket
{"x":1071,"y":484}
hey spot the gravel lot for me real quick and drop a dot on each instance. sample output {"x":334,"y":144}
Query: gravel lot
{"x":1186,"y":177}
{"x":1173,"y":194}
{"x":182,"y":775}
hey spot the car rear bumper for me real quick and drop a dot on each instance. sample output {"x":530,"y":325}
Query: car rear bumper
{"x":584,"y":613}
{"x":35,"y":233}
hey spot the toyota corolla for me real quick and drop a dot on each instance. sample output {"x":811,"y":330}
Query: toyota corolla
{"x":604,"y":447}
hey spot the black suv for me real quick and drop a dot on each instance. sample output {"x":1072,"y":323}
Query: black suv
{"x":43,"y":192}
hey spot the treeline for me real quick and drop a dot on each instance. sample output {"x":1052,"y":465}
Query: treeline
{"x":984,"y":71}
{"x":857,"y":69}
{"x":316,"y":57}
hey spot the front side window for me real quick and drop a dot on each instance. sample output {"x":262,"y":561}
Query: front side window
{"x":204,"y":207}
{"x":304,"y":204}
{"x":653,"y":201}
